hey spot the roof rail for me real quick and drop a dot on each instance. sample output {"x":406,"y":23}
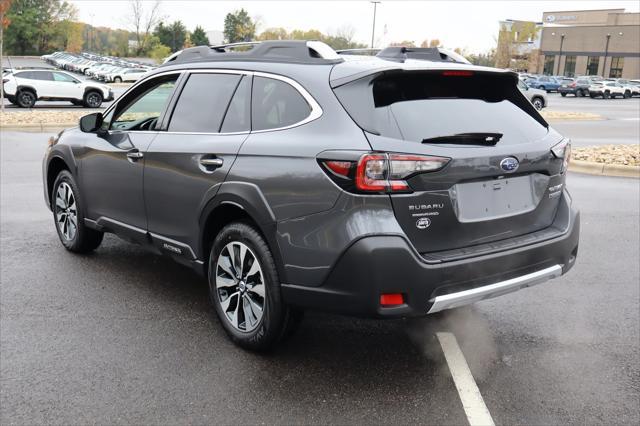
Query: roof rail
{"x":289,"y":51}
{"x":401,"y":53}
{"x":361,"y":51}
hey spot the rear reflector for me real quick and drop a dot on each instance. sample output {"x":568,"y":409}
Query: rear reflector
{"x":391,"y":299}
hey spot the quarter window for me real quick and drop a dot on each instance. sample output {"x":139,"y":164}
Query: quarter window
{"x":276,"y":104}
{"x":203,"y":103}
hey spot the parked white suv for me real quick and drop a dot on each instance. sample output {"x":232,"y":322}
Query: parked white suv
{"x":25,"y":87}
{"x":606,"y":89}
{"x":126,"y":74}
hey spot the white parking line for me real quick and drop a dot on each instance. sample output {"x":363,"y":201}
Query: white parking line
{"x":472,"y":402}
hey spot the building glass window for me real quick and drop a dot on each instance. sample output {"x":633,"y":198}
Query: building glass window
{"x":592,"y":65}
{"x":570,"y":66}
{"x":549,"y":63}
{"x":616,"y":67}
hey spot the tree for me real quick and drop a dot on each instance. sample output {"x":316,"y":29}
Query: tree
{"x":32,"y":27}
{"x":199,"y":37}
{"x":142,"y":22}
{"x":173,"y":36}
{"x":513,"y":40}
{"x":434,"y":43}
{"x":157,"y":50}
{"x":238,"y":26}
{"x":274,"y":34}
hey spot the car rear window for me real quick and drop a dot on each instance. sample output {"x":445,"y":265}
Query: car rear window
{"x":418,"y":105}
{"x":203,"y":103}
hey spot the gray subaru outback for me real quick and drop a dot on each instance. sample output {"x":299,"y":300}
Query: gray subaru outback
{"x":294,"y":178}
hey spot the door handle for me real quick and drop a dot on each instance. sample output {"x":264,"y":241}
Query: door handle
{"x":134,"y":154}
{"x":212,"y":162}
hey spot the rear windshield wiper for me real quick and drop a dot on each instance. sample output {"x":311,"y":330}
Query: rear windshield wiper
{"x":467,"y":139}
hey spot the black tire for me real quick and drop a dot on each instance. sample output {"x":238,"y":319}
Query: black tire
{"x":26,"y":98}
{"x":541,"y":87}
{"x":563,"y":94}
{"x":579,"y":93}
{"x":117,"y":80}
{"x":92,"y":99}
{"x":84,"y":239}
{"x":277,"y":321}
{"x":538,"y":103}
{"x":606,"y":95}
{"x":584,"y":93}
{"x":627,"y":95}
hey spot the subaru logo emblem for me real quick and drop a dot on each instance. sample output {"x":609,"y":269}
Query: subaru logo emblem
{"x":423,"y":223}
{"x":509,"y":164}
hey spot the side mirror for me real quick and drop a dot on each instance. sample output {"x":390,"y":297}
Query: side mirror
{"x":91,"y":123}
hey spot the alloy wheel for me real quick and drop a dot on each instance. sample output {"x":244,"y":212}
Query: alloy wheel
{"x":66,"y":211}
{"x":240,"y":286}
{"x":93,"y":100}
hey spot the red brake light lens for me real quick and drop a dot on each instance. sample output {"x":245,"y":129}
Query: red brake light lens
{"x":457,"y":73}
{"x":381,"y":172}
{"x":341,"y":168}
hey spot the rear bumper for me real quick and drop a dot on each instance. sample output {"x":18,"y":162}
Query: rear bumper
{"x":388,"y":264}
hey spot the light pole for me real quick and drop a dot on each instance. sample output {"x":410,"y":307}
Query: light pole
{"x":560,"y":56}
{"x":606,"y":52}
{"x":373,"y":30}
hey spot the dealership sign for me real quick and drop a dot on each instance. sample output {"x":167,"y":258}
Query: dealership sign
{"x":553,"y":18}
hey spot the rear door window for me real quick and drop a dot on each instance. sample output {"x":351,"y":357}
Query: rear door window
{"x":203,"y":103}
{"x":276,"y":104}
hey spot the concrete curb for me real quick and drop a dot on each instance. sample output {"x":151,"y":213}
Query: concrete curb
{"x":593,"y":168}
{"x":41,"y":127}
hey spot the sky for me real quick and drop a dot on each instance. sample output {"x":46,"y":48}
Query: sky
{"x":471,"y":25}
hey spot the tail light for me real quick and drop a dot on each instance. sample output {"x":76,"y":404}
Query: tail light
{"x":381,"y":172}
{"x":563,"y":150}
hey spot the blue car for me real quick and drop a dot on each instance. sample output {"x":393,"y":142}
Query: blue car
{"x":550,"y":84}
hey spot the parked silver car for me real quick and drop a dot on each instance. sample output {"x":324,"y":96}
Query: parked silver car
{"x":537,"y":97}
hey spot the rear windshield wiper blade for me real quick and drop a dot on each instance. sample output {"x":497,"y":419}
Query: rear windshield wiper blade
{"x":480,"y":138}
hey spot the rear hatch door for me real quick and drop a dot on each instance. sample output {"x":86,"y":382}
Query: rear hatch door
{"x":502,"y":181}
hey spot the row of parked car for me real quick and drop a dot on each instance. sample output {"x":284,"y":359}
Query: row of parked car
{"x":592,"y":86}
{"x":102,"y":68}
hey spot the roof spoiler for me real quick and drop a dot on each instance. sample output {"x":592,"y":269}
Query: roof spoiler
{"x":438,"y":54}
{"x":291,"y":51}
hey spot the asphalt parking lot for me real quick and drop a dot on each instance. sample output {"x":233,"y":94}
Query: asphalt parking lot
{"x":125,"y":337}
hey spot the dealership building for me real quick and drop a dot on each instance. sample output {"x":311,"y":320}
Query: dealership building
{"x":590,"y":42}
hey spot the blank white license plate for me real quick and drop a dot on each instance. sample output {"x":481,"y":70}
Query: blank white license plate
{"x":499,"y":198}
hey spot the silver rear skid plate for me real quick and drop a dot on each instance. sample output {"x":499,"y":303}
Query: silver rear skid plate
{"x":466,"y":297}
